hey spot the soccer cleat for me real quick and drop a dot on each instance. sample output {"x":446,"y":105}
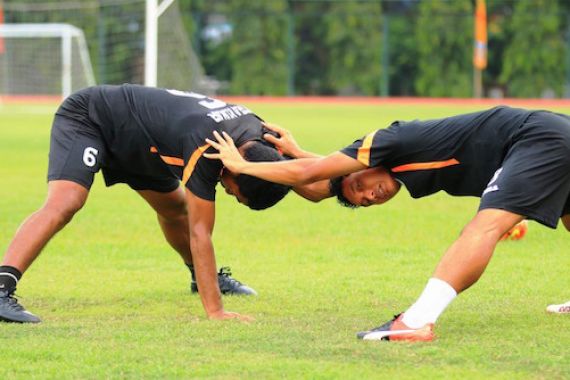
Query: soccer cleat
{"x":228,"y":285}
{"x":12,"y":311}
{"x":559,"y":309}
{"x":396,"y":330}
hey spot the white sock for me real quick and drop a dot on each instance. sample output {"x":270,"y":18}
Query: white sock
{"x":435,"y":298}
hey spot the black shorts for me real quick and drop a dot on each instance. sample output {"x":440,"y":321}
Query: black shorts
{"x":534,"y":179}
{"x":78,"y":151}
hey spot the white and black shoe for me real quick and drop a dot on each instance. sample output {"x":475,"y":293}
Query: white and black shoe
{"x":12,"y":311}
{"x":563,"y":308}
{"x":396,"y":330}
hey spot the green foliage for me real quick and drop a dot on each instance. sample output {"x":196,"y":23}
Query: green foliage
{"x":335,"y":47}
{"x":311,"y":53}
{"x":259,"y":47}
{"x":116,"y":305}
{"x":533,"y":61}
{"x":444,"y":35}
{"x":354,"y":41}
{"x":403,"y":52}
{"x":215,"y":55}
{"x":338,"y":47}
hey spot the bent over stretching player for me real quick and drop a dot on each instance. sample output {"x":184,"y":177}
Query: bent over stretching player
{"x":151,"y":139}
{"x":516,"y":160}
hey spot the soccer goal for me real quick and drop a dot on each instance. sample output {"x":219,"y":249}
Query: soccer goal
{"x":43,"y":59}
{"x":170,"y":60}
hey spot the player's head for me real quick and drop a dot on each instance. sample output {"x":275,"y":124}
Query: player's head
{"x":256,"y":193}
{"x":365,"y":188}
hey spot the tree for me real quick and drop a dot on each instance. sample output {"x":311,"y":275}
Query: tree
{"x":354,"y":41}
{"x":259,"y":47}
{"x":533,"y":60}
{"x":444,"y":34}
{"x":311,"y":54}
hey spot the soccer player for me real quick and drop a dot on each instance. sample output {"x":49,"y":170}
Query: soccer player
{"x":516,"y":160}
{"x":559,"y":309}
{"x":152,"y":140}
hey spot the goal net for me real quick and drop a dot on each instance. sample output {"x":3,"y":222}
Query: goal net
{"x":178,"y":66}
{"x":115,"y":38}
{"x":43,"y":59}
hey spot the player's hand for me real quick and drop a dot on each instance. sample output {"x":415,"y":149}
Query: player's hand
{"x":285,"y":142}
{"x":224,"y":315}
{"x":227,"y":152}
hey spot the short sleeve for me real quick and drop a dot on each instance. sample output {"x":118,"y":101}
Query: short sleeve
{"x":375,"y":148}
{"x":201,"y":174}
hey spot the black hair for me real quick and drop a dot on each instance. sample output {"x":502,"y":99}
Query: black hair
{"x":335,"y":187}
{"x":260,"y":194}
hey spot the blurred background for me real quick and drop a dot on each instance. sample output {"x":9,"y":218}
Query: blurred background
{"x":421,"y":48}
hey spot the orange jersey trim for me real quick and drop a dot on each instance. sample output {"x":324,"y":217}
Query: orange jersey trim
{"x":425,"y":165}
{"x":172,"y":160}
{"x":363,"y":154}
{"x":192,"y":162}
{"x":168,"y":159}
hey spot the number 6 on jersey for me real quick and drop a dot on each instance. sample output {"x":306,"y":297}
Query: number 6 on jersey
{"x":90,"y":156}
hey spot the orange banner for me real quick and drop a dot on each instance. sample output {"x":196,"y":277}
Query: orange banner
{"x":480,"y":50}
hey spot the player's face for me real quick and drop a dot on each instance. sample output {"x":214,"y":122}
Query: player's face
{"x":228,"y":181}
{"x":369,"y":187}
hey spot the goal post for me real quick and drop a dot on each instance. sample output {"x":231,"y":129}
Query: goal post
{"x":44,"y":59}
{"x":152,"y":13}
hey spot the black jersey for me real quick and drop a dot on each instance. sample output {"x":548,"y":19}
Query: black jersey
{"x":135,"y":121}
{"x":456,"y":154}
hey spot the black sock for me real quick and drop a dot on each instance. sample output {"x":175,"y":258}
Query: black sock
{"x":191,"y":267}
{"x":9,"y":277}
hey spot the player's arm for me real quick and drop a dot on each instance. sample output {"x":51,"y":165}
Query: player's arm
{"x":293,"y":172}
{"x":201,"y":218}
{"x":314,"y":192}
{"x":285,"y":142}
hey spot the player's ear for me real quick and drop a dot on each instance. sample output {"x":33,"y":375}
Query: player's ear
{"x":244,"y":147}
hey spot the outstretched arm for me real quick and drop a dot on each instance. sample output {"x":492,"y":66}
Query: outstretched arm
{"x":285,"y":142}
{"x":314,"y":192}
{"x":201,"y":217}
{"x":293,"y":173}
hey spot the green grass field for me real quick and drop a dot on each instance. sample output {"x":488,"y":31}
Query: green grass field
{"x":115,"y":298}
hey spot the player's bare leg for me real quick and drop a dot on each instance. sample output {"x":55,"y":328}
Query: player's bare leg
{"x":460,"y":267}
{"x":563,"y":308}
{"x":566,"y":222}
{"x":172,"y":217}
{"x":466,"y":259}
{"x":63,"y":200}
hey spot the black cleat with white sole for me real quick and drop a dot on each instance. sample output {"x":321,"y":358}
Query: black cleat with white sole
{"x":12,"y":311}
{"x":228,"y":285}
